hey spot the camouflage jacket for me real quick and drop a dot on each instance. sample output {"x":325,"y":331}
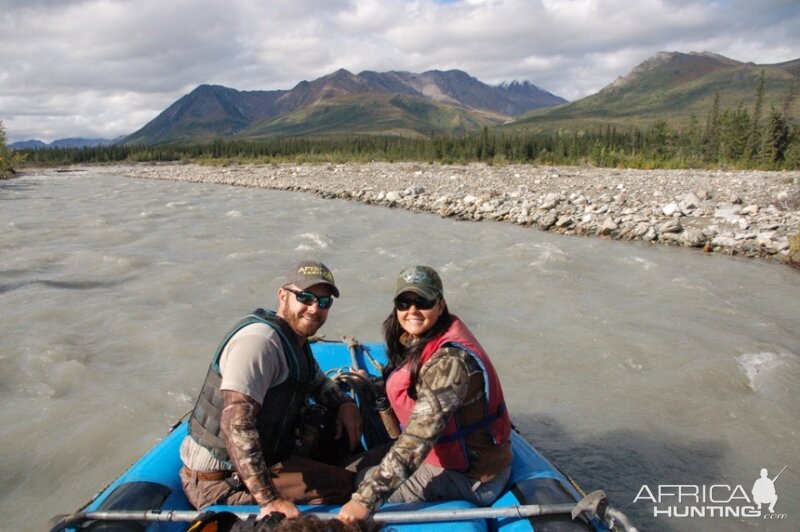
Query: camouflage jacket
{"x":449,"y":381}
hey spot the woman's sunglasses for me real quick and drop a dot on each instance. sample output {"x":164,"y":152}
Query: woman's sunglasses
{"x":308,"y":299}
{"x":421,"y":303}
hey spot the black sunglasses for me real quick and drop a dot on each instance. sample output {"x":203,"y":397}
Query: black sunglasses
{"x":421,"y":303}
{"x":308,"y":299}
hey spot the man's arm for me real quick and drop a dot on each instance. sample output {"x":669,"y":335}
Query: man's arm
{"x":239,"y":426}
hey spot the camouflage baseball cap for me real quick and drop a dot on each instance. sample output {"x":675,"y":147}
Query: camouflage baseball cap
{"x":308,"y":273}
{"x":422,"y":280}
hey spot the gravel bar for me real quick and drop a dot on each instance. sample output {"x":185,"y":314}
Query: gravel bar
{"x":743,"y":213}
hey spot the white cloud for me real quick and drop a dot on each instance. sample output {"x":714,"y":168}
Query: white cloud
{"x":102,"y":68}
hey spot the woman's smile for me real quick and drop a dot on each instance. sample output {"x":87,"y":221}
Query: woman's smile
{"x":416,"y":321}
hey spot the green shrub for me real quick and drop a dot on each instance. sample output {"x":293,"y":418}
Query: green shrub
{"x":8,"y":159}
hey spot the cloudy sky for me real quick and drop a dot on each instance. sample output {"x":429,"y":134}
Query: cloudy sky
{"x":104,"y":68}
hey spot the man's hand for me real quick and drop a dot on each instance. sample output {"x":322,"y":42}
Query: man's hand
{"x":283,"y":506}
{"x":353,"y":512}
{"x":349,"y":419}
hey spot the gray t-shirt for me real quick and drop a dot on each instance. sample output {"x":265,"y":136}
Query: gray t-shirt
{"x":252,"y":362}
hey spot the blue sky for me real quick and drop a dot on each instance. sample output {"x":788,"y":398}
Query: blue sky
{"x":104,"y":68}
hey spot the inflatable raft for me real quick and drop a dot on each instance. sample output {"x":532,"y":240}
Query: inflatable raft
{"x":148,"y":495}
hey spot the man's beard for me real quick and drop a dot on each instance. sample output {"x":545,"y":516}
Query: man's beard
{"x":301,"y":326}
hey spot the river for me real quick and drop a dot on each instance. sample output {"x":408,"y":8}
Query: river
{"x":645,"y":371}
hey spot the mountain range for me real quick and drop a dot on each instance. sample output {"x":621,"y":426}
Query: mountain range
{"x":370,"y":103}
{"x":673,"y":86}
{"x":74,"y":142}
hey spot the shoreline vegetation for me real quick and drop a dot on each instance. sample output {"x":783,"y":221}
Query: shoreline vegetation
{"x":748,"y":213}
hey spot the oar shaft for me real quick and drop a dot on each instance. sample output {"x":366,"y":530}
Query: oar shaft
{"x":62,"y":522}
{"x":423,"y":516}
{"x":144,"y":515}
{"x":463,"y":514}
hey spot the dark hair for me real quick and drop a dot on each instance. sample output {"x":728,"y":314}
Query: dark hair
{"x":399,"y":354}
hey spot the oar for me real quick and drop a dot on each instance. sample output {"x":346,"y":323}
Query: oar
{"x":589,"y":503}
{"x":64,"y":522}
{"x":174,"y":516}
{"x":522,"y":511}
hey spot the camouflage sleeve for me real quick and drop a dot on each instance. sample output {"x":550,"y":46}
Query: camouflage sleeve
{"x":442,"y":388}
{"x":239,"y":425}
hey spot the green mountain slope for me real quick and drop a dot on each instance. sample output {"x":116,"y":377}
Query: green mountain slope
{"x":672,"y":87}
{"x":208,"y":112}
{"x":375,"y":114}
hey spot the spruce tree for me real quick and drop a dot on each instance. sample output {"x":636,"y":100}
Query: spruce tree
{"x":711,"y":138}
{"x":734,"y":134}
{"x":754,"y":140}
{"x":776,"y":139}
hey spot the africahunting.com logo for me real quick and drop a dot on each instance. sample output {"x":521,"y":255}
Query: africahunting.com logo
{"x":715,"y":500}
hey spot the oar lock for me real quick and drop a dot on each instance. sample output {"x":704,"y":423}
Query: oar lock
{"x":595,"y":503}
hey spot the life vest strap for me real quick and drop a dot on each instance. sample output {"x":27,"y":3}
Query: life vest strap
{"x":464,"y":430}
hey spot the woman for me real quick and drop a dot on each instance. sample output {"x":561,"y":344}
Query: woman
{"x":445,"y":392}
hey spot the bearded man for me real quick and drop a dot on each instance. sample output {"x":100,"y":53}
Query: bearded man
{"x":244,"y":429}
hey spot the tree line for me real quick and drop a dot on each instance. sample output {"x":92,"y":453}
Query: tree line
{"x":727,"y":144}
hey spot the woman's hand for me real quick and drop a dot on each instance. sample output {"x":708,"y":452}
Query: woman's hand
{"x":353,"y":512}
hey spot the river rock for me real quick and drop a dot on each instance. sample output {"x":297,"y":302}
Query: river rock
{"x":393,"y":197}
{"x":693,"y":237}
{"x":670,"y":226}
{"x":607,"y":227}
{"x":669,"y":209}
{"x":689,"y":203}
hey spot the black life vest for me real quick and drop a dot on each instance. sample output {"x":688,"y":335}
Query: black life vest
{"x":280,"y":412}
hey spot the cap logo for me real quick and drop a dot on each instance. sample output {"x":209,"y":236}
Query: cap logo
{"x":415,"y":277}
{"x":316,"y":271}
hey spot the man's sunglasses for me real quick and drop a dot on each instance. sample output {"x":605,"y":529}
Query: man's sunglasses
{"x":308,"y":299}
{"x":421,"y":303}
